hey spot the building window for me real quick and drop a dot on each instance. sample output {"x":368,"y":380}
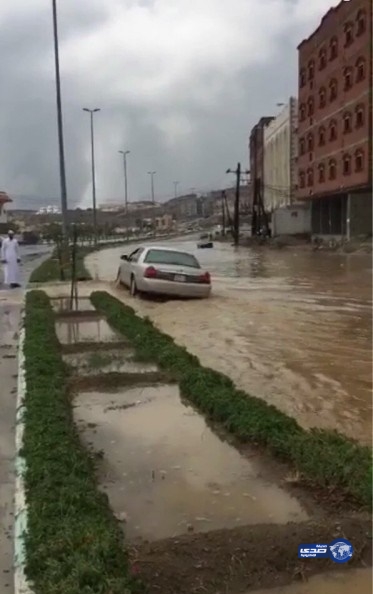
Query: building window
{"x":311,"y":69}
{"x":359,"y":160}
{"x":302,"y":112}
{"x":321,"y":173}
{"x":359,"y":113}
{"x":333,"y":130}
{"x":346,"y":165}
{"x":302,"y":179}
{"x":322,"y":58}
{"x":310,"y":106}
{"x":322,"y":97}
{"x":321,"y":136}
{"x":347,"y":127}
{"x":360,"y":69}
{"x":310,"y":177}
{"x":361,"y":22}
{"x":302,"y":146}
{"x":349,"y":36}
{"x":310,"y":142}
{"x":333,"y":88}
{"x":347,"y":74}
{"x":302,"y":77}
{"x":332,"y":169}
{"x":333,"y":48}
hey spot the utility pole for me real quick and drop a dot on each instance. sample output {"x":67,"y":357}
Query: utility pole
{"x":223,"y":212}
{"x":61,"y":151}
{"x":92,"y":112}
{"x":176,"y":183}
{"x":236,"y":222}
{"x":236,"y":214}
{"x":152,"y":174}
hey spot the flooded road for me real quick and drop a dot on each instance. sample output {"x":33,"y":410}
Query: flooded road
{"x":292,"y":327}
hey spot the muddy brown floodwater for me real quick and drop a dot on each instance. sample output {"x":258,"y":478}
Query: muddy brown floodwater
{"x":290,"y":326}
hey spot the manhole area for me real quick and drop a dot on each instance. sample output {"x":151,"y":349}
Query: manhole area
{"x":165,"y":471}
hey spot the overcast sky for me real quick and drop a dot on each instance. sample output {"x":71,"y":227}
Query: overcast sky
{"x":179,"y":82}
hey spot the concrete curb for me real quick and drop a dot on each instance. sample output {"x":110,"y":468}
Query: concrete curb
{"x":21,"y":585}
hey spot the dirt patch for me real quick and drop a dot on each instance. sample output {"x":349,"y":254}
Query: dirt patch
{"x":91,"y":346}
{"x":244,"y":559}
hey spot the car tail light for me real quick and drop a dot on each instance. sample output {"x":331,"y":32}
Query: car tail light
{"x":150,"y":272}
{"x":205,"y":278}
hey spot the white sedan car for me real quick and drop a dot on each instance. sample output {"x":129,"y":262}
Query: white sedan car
{"x":164,"y":271}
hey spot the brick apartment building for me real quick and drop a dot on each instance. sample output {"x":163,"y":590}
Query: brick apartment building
{"x":256,"y":148}
{"x":335,"y":121}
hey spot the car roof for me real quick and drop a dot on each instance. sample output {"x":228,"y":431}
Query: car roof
{"x":163,"y":248}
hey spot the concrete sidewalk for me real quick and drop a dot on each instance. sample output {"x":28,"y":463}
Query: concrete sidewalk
{"x":11,"y":305}
{"x":10,"y":319}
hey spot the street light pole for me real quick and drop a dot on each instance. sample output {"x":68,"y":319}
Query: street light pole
{"x":152,"y":174}
{"x":91,"y":112}
{"x":125,"y":153}
{"x":60,"y":127}
{"x":176,"y":183}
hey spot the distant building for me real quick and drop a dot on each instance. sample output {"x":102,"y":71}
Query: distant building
{"x":335,"y":121}
{"x":164,"y":223}
{"x":182,"y":207}
{"x":256,"y":147}
{"x":280,"y":143}
{"x":4,"y":199}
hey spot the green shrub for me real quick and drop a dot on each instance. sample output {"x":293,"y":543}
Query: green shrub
{"x":74,"y":545}
{"x":325,"y":458}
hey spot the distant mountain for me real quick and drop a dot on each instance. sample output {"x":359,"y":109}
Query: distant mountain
{"x":31,"y":202}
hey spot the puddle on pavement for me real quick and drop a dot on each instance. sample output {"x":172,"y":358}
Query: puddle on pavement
{"x":72,"y":330}
{"x":357,"y":581}
{"x":62,"y":304}
{"x":165,"y":471}
{"x":110,"y":361}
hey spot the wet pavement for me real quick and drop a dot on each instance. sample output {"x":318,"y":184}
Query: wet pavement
{"x":166,"y":472}
{"x":356,"y":581}
{"x":291,"y":326}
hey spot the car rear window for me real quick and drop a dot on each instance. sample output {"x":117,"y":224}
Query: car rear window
{"x":171,"y":257}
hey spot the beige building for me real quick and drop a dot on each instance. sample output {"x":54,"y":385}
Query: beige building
{"x":280,"y":158}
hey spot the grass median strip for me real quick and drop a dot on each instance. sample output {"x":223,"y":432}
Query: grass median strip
{"x":324,"y":458}
{"x":49,"y":270}
{"x":74,"y":544}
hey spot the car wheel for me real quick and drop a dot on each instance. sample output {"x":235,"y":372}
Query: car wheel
{"x":133,"y":288}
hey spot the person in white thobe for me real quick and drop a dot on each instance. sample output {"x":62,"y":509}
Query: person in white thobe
{"x":10,"y":258}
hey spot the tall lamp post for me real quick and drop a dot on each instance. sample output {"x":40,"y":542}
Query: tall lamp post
{"x":91,"y":112}
{"x":176,"y":183}
{"x":125,"y":153}
{"x":152,"y":174}
{"x":60,"y":127}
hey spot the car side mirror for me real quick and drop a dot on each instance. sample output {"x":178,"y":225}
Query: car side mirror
{"x":124,"y":257}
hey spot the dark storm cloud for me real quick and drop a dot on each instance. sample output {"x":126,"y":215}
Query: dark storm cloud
{"x":180,"y":93}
